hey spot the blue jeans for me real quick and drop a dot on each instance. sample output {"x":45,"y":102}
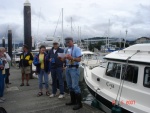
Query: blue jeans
{"x":40,"y":75}
{"x":57,"y":75}
{"x":2,"y":85}
{"x":72,"y":78}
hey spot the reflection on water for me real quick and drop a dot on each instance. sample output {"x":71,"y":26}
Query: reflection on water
{"x":87,"y":97}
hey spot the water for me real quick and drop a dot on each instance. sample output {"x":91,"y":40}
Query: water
{"x":86,"y":96}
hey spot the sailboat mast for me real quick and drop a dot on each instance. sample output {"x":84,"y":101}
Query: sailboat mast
{"x":71,"y":26}
{"x":125,"y":39}
{"x":120,"y":40}
{"x":87,"y":43}
{"x":106,"y":38}
{"x":80,"y":37}
{"x":62,"y":39}
{"x":108,"y":32}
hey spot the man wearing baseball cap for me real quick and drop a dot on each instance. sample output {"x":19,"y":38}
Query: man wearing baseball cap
{"x":73,"y":57}
{"x":56,"y":68}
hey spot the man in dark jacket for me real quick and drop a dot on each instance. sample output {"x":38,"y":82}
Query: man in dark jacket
{"x":56,"y":69}
{"x":42,"y":66}
{"x":26,"y":59}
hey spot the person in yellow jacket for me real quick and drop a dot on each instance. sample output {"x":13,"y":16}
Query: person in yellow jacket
{"x":26,"y":59}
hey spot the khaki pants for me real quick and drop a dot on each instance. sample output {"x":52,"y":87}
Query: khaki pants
{"x":26,"y":70}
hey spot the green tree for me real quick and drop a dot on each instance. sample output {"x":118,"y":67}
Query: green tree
{"x":91,"y":47}
{"x":98,"y":45}
{"x":122,"y":44}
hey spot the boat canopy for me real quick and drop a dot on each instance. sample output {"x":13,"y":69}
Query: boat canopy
{"x":135,"y":53}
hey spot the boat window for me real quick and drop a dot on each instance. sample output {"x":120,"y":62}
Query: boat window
{"x":146,"y":81}
{"x":113,"y":70}
{"x":130,"y":73}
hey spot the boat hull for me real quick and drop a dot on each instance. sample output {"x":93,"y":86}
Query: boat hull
{"x":104,"y":104}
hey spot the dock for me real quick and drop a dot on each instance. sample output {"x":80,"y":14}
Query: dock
{"x":24,"y":99}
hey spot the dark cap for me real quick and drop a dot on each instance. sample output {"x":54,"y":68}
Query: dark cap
{"x":25,"y":46}
{"x":69,"y":38}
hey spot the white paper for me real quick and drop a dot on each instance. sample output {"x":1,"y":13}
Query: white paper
{"x":62,"y":55}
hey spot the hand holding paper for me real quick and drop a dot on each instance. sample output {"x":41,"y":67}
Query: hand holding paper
{"x":62,"y":55}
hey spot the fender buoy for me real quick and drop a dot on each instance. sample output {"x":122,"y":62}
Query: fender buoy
{"x":116,"y":109}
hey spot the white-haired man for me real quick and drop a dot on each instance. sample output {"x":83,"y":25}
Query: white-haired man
{"x":56,"y":69}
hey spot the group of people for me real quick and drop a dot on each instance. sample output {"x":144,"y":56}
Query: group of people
{"x":4,"y":72}
{"x":52,"y":63}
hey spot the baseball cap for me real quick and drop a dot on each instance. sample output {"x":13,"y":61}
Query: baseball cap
{"x":25,"y":46}
{"x":68,"y":38}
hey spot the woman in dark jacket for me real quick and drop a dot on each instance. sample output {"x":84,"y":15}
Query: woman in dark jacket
{"x":41,"y":63}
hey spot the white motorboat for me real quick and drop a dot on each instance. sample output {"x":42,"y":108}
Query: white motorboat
{"x":124,"y":83}
{"x":89,"y":59}
{"x":48,"y":42}
{"x":16,"y":58}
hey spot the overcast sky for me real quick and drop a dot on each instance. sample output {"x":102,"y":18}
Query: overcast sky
{"x":91,"y":15}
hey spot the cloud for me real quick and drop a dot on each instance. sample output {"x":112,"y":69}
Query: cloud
{"x":91,"y":16}
{"x":37,"y":14}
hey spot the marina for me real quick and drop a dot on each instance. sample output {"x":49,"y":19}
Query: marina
{"x":106,"y":43}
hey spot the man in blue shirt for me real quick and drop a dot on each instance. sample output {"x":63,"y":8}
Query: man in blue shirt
{"x":73,"y":57}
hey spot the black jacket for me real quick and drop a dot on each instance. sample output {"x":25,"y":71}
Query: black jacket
{"x":58,"y":63}
{"x":26,"y":60}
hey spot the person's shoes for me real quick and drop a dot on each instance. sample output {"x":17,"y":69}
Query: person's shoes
{"x":39,"y":94}
{"x":1,"y":101}
{"x":27,"y":84}
{"x":2,"y":98}
{"x":52,"y":95}
{"x":22,"y":84}
{"x":47,"y":93}
{"x":79,"y":103}
{"x":61,"y":96}
{"x":73,"y":99}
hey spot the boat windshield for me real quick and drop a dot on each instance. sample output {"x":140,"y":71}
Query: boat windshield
{"x":122,"y":71}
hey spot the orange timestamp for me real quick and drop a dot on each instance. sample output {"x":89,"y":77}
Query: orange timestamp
{"x":127,"y":102}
